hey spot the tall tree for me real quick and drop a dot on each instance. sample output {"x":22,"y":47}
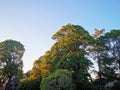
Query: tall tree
{"x":106,"y":51}
{"x":96,"y":51}
{"x":11,"y":63}
{"x":111,"y":53}
{"x":72,"y":42}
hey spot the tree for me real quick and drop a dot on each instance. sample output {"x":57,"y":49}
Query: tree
{"x":111,"y":54}
{"x":11,"y":53}
{"x":96,"y":50}
{"x":106,"y":51}
{"x":112,"y":44}
{"x":39,"y":71}
{"x":69,"y":52}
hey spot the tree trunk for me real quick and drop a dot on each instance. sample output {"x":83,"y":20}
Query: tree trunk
{"x":8,"y":86}
{"x":100,"y":71}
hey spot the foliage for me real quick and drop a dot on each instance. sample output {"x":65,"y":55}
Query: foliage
{"x":70,"y":50}
{"x":40,"y":69}
{"x":98,"y":33}
{"x":112,"y":50}
{"x":20,"y":74}
{"x":60,"y":80}
{"x":107,"y":51}
{"x":70,"y":40}
{"x":11,"y":53}
{"x":29,"y":84}
{"x":110,"y":54}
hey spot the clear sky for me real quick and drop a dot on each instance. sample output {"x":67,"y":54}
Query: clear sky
{"x":33,"y":22}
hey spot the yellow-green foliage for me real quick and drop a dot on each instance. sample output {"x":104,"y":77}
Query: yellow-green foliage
{"x":40,"y":69}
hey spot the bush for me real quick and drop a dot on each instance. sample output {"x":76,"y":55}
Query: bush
{"x":60,"y":80}
{"x":28,"y":84}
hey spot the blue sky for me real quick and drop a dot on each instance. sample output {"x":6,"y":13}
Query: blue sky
{"x":33,"y":22}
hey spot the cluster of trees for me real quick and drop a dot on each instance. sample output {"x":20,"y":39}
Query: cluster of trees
{"x":68,"y":64}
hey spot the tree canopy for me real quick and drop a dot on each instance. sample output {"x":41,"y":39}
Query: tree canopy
{"x":11,"y":63}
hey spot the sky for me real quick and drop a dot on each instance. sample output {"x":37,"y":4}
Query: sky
{"x":33,"y":22}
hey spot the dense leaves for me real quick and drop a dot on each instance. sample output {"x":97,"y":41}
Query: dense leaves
{"x":29,"y":84}
{"x":11,"y":63}
{"x":111,"y":55}
{"x":60,"y":80}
